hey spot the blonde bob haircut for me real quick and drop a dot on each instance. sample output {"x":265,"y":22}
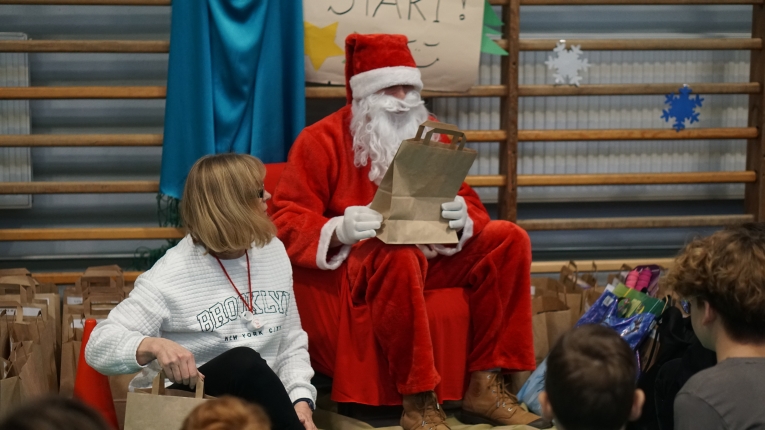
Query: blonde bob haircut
{"x":221,"y":207}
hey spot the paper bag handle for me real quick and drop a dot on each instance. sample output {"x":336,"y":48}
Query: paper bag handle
{"x":27,"y":290}
{"x":19,"y":317}
{"x":158,"y":387}
{"x":442,"y":128}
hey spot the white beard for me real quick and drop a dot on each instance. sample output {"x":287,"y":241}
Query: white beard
{"x":380,"y":122}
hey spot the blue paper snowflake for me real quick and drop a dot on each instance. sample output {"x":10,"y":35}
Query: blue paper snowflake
{"x":682,"y":107}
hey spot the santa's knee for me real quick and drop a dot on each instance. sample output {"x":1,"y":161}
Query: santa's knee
{"x":506,"y":233}
{"x":400,"y":253}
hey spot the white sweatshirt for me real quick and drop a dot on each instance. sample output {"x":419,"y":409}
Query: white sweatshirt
{"x":187,"y":298}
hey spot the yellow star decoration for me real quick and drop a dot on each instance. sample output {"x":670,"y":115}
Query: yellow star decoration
{"x":320,"y":43}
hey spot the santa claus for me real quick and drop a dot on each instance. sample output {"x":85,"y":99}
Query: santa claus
{"x":362,"y":301}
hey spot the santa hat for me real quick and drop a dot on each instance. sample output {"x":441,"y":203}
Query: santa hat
{"x":377,"y":61}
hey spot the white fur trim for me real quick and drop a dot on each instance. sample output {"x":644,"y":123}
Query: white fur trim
{"x":467,"y":233}
{"x":324,"y":239}
{"x":372,"y":81}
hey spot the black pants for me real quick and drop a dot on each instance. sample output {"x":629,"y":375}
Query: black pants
{"x":243,"y":373}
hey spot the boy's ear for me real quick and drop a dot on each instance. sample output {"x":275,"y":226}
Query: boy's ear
{"x":547,"y":412}
{"x":710,"y":315}
{"x":637,"y":405}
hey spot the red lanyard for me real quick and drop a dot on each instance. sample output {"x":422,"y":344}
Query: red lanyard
{"x":249,"y":281}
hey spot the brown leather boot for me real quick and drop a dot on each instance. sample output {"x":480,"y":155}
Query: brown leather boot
{"x":422,"y":412}
{"x":487,"y":401}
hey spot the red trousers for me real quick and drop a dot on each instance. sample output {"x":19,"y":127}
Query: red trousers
{"x":388,"y":283}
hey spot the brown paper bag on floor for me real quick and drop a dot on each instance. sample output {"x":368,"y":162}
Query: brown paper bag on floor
{"x":576,"y":285}
{"x":557,"y":317}
{"x":5,"y":336}
{"x":571,"y":295}
{"x":550,"y":318}
{"x":70,"y":353}
{"x":19,"y":271}
{"x":25,"y":378}
{"x":120,"y":387}
{"x":33,"y":375}
{"x":592,"y":295}
{"x":159,"y":410}
{"x":423,"y":175}
{"x":10,"y":394}
{"x":33,"y":324}
{"x":27,"y":290}
{"x":99,"y":279}
{"x":541,"y":340}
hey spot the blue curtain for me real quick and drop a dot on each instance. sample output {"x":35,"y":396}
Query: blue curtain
{"x":235,"y":83}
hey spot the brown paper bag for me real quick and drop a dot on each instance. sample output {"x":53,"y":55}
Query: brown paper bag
{"x":423,"y":175}
{"x":47,"y":288}
{"x":576,"y":285}
{"x":33,"y":375}
{"x":571,"y":275}
{"x":20,"y":272}
{"x":549,"y":320}
{"x":70,"y":353}
{"x":41,"y":331}
{"x":99,"y":279}
{"x":26,"y":379}
{"x":556,"y":315}
{"x":120,"y":385}
{"x":159,"y":410}
{"x":592,"y":295}
{"x":571,"y":295}
{"x":541,"y":340}
{"x":20,"y":289}
{"x":5,"y":336}
{"x":10,"y":394}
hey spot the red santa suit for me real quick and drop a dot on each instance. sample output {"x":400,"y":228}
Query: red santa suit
{"x":364,"y":306}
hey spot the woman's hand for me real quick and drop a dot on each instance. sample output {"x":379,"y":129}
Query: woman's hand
{"x":305,"y":414}
{"x":177,"y":361}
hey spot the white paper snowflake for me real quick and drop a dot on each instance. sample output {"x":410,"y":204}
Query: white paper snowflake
{"x":567,"y":63}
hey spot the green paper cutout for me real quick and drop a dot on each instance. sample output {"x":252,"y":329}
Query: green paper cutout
{"x":490,"y":19}
{"x":489,"y":30}
{"x":488,"y":46}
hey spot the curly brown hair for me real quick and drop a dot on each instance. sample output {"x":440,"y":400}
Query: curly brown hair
{"x":227,"y":413}
{"x":727,"y":270}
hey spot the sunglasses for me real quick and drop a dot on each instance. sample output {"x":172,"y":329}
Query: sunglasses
{"x":261,"y":193}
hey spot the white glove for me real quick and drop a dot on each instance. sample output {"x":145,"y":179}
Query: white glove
{"x":359,"y":223}
{"x":455,"y":211}
{"x":428,"y":250}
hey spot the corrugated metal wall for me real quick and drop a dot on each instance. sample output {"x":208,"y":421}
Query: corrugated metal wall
{"x":146,"y":116}
{"x":15,"y":163}
{"x":598,"y":112}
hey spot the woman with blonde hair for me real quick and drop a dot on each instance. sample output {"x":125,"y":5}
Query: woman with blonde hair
{"x":219,"y":305}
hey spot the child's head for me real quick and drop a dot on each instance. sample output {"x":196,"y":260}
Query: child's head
{"x":223,"y":205}
{"x":227,"y":413}
{"x":591,"y":381}
{"x":54,"y":413}
{"x":723,"y":278}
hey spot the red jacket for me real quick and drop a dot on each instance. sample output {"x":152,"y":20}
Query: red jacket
{"x":320,"y":181}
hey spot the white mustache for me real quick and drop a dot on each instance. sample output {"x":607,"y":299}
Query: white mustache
{"x":395,"y":105}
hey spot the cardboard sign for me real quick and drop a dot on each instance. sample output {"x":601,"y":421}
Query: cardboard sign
{"x":444,"y":37}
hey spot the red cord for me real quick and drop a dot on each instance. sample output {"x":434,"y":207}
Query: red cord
{"x":249,"y":281}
